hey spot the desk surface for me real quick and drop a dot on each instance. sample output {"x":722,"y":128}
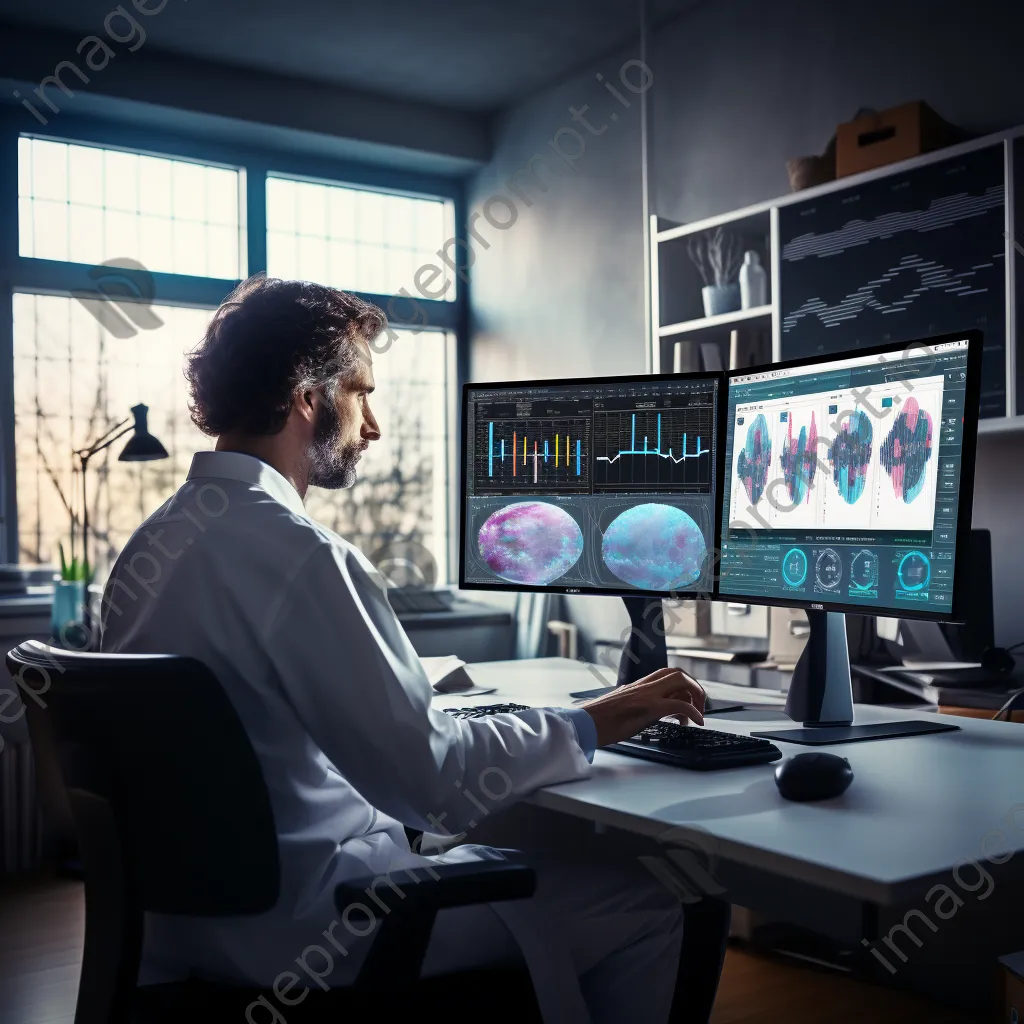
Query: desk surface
{"x":917,"y":807}
{"x":460,"y":614}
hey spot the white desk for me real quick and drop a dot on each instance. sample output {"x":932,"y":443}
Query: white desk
{"x":918,"y":806}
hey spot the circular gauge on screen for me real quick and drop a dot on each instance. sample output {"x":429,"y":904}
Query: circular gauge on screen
{"x":914,"y":571}
{"x":828,"y":569}
{"x":864,"y":571}
{"x":794,"y":568}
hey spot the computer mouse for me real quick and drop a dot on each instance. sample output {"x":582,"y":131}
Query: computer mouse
{"x":813,"y":776}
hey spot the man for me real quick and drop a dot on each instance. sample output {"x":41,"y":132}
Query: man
{"x":295,"y":623}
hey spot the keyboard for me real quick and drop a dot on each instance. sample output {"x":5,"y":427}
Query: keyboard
{"x":682,"y":746}
{"x":696,"y":748}
{"x":416,"y":601}
{"x":484,"y":710}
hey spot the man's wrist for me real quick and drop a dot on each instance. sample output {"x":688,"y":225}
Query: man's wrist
{"x":584,"y":726}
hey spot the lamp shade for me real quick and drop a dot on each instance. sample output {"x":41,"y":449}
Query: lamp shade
{"x":142,"y":446}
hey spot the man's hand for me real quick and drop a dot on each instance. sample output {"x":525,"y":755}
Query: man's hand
{"x":628,"y":709}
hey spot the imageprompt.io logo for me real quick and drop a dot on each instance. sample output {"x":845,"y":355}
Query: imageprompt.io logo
{"x":405,"y":563}
{"x":122,"y":300}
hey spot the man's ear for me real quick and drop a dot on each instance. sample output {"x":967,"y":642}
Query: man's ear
{"x":305,"y":404}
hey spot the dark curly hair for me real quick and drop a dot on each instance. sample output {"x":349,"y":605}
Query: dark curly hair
{"x":269,"y":339}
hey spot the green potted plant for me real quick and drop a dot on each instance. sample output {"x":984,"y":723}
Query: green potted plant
{"x":69,"y":589}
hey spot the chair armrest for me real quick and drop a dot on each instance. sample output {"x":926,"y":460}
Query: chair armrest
{"x":405,"y":904}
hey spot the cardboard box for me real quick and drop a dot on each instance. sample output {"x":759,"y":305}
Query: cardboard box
{"x":1012,"y":985}
{"x":899,"y":133}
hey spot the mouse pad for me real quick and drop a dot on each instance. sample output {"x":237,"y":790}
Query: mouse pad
{"x":824,"y":735}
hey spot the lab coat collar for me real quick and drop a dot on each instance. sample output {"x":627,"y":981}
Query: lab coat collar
{"x":250,"y":470}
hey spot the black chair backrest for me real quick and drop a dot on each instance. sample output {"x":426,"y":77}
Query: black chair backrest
{"x":151,"y":752}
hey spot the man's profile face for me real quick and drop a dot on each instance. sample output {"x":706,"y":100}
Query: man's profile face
{"x":344,"y":428}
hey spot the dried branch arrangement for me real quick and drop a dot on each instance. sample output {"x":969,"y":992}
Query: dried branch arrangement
{"x":718,"y":255}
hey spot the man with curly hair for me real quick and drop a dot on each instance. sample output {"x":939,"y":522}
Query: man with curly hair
{"x":295,"y":623}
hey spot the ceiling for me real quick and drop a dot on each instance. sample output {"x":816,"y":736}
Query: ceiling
{"x":472,"y":55}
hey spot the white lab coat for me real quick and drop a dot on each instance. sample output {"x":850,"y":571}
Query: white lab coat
{"x":294,"y":622}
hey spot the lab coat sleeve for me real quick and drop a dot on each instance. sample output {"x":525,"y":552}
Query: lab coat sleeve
{"x":357,"y":685}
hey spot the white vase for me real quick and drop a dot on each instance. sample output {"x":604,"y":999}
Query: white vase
{"x":753,"y":282}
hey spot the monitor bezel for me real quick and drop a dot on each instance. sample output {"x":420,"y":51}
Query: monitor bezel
{"x":504,"y":586}
{"x":965,"y":512}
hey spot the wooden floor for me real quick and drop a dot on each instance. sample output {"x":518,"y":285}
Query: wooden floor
{"x":42,"y":924}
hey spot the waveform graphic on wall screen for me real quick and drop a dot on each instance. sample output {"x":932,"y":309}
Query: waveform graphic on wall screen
{"x":849,"y":455}
{"x":907,"y":449}
{"x":755,"y":458}
{"x":798,"y":459}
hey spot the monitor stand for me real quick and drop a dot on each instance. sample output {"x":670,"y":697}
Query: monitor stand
{"x":821,"y":693}
{"x":645,"y":651}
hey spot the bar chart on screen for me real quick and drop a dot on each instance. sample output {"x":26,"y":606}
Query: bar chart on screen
{"x":532,"y":454}
{"x":651,"y":449}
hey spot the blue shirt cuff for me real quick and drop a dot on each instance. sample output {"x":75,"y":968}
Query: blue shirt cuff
{"x":586,"y":730}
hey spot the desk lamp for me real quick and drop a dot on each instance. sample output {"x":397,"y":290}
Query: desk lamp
{"x":141,"y":447}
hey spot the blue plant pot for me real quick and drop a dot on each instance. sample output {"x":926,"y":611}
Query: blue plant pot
{"x":720,"y":298}
{"x":68,"y":606}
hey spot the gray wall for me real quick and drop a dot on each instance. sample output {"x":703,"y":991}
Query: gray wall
{"x":560,"y":292}
{"x":740,"y":86}
{"x":744,"y":85}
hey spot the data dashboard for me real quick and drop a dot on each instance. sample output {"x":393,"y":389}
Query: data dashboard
{"x":843,"y":480}
{"x":606,"y":485}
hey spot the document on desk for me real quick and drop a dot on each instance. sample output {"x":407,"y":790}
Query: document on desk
{"x":448,"y":674}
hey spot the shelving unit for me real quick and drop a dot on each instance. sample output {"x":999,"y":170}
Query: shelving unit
{"x":708,"y":324}
{"x":677,"y":309}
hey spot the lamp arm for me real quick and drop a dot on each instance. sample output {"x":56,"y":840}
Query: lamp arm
{"x":106,"y":440}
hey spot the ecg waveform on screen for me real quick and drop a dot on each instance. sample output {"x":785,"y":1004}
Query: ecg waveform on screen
{"x":940,"y":213}
{"x":900,"y":257}
{"x":931,"y":277}
{"x":849,"y":455}
{"x":755,"y":459}
{"x":652,"y":449}
{"x":906,"y":450}
{"x":798,"y":460}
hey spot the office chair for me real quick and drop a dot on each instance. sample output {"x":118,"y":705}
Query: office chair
{"x":173,"y":817}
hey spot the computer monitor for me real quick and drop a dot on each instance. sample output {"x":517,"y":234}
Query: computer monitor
{"x":848,"y":486}
{"x":594,"y":486}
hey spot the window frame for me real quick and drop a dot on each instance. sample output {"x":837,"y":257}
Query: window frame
{"x":29,"y":274}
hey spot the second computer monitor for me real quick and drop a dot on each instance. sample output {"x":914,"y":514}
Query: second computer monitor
{"x":606,"y":485}
{"x":849,"y":481}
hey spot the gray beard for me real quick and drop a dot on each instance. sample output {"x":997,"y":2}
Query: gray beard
{"x":332,"y":466}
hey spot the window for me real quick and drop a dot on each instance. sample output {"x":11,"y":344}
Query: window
{"x":353,"y":238}
{"x":86,"y":348}
{"x":402,"y":490}
{"x":73,"y":381}
{"x":86,"y":204}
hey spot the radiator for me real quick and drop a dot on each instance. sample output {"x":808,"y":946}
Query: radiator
{"x":21,"y":830}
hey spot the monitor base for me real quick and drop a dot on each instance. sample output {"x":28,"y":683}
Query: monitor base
{"x":825,"y":736}
{"x":645,"y":650}
{"x":821,"y":693}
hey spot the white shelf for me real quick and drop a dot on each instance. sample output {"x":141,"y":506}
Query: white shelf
{"x":710,"y":323}
{"x":1001,"y":425}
